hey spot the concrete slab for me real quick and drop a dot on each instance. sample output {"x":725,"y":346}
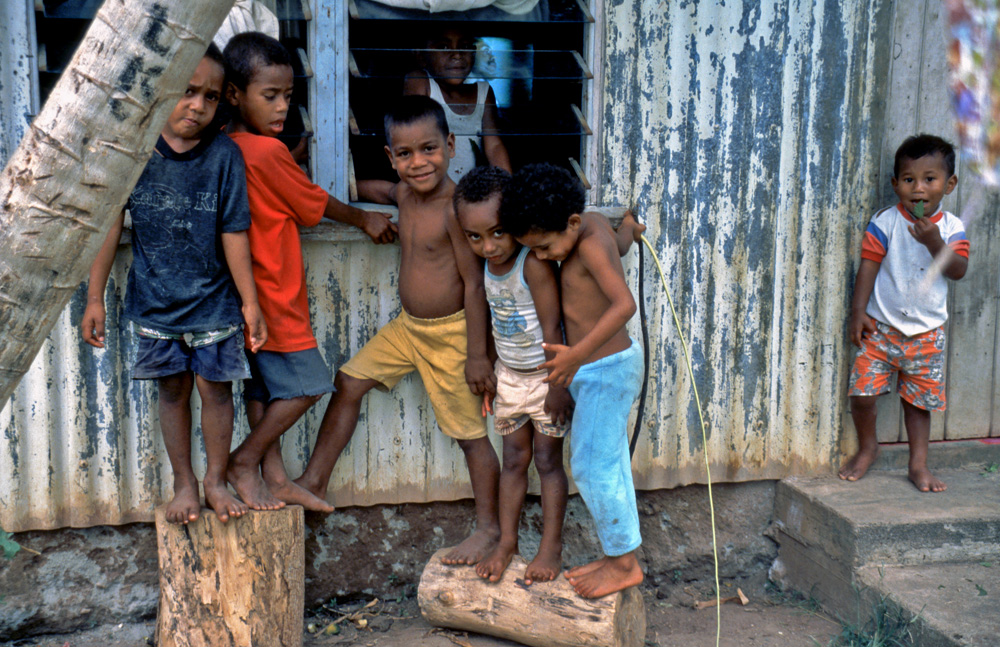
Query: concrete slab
{"x":883,"y":519}
{"x":944,"y":455}
{"x":955,"y":603}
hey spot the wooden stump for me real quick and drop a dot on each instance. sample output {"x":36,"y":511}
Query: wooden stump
{"x":239,"y":584}
{"x":546,"y":614}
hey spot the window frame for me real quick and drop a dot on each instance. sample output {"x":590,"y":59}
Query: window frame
{"x":331,"y":78}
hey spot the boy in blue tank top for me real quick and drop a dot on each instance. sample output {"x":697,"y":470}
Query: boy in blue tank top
{"x":531,"y":416}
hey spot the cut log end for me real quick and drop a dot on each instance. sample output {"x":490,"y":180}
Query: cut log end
{"x":545,"y":614}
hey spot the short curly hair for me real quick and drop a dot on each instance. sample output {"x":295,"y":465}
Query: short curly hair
{"x":480,"y":184}
{"x":923,"y":144}
{"x":412,"y":108}
{"x":250,"y":51}
{"x":540,"y":197}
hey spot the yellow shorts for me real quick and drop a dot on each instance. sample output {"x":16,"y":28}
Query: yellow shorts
{"x":435,"y":348}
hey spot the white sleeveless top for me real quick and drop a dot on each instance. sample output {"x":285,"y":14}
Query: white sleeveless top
{"x":465,"y":127}
{"x":516,"y":330}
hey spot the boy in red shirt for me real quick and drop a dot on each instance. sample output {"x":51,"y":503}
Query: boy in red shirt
{"x":288,"y":375}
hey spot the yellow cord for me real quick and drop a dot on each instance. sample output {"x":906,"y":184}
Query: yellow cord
{"x":704,"y":439}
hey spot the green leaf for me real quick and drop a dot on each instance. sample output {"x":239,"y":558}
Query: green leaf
{"x":8,"y":545}
{"x":986,"y":564}
{"x":981,"y":590}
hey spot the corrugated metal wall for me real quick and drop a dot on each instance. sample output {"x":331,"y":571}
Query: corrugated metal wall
{"x":749,"y":136}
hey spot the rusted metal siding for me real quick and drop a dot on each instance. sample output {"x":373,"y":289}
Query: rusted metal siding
{"x":748,"y":136}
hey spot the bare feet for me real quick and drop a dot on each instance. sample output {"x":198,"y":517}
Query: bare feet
{"x":605,"y":576}
{"x":493,"y":565}
{"x":219,"y":498}
{"x":475,"y":547}
{"x":925,"y":481}
{"x":545,"y":567}
{"x":251,"y":488}
{"x":294,"y":494}
{"x":185,"y":506}
{"x":858,"y":465}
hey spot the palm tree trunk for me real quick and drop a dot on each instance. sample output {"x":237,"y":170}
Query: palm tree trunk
{"x":83,"y":154}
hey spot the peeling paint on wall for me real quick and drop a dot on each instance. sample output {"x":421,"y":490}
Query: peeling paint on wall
{"x":747,"y":135}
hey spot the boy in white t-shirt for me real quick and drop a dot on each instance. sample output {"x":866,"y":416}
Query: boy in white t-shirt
{"x":898,"y":310}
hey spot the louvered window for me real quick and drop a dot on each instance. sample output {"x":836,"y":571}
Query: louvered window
{"x":536,"y":64}
{"x":61,"y":24}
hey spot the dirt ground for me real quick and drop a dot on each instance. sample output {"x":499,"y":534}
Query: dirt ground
{"x":767,"y":621}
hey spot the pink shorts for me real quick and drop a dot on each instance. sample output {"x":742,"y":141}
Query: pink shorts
{"x":919,"y":360}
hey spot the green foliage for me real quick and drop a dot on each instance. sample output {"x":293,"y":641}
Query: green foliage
{"x":889,"y":626}
{"x":992,"y":468}
{"x":8,"y":545}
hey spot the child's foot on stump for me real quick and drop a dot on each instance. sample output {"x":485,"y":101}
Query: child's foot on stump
{"x":185,"y":507}
{"x":858,"y":464}
{"x":493,"y":565}
{"x":226,"y":506}
{"x":925,"y":481}
{"x":605,"y":576}
{"x":545,"y":567}
{"x":294,"y":494}
{"x":251,"y":488}
{"x":475,"y":547}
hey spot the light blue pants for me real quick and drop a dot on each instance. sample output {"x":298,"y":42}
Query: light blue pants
{"x":598,"y":442}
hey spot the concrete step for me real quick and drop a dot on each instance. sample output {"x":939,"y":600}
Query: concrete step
{"x":955,"y":604}
{"x":833,"y":535}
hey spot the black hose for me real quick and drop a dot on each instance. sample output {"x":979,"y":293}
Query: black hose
{"x":645,"y":357}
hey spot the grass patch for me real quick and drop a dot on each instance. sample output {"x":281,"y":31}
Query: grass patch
{"x":888,"y":626}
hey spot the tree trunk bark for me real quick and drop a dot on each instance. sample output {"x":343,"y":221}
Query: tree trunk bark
{"x":232,"y":584}
{"x":546,"y":614}
{"x":83,"y":154}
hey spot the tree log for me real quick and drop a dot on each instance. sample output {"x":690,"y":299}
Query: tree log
{"x":235,"y":584}
{"x":77,"y":164}
{"x":546,"y":614}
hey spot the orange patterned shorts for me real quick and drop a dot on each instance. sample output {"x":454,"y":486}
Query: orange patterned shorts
{"x":919,"y":360}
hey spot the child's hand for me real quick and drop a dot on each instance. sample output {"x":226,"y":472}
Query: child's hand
{"x":487,"y":403}
{"x":559,"y":405}
{"x":479,"y":375}
{"x":927,"y":234}
{"x":256,"y":327}
{"x":92,"y":324}
{"x":378,"y":227}
{"x":861,"y":325}
{"x":562,"y":367}
{"x":628,"y":232}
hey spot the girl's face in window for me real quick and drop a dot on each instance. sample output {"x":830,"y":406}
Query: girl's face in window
{"x":451,"y":56}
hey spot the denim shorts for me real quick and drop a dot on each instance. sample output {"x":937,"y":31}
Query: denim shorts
{"x":283,"y":376}
{"x":222,"y":361}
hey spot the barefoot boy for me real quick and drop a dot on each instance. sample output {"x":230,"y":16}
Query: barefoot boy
{"x":441,"y":331}
{"x":900,"y":304}
{"x":531,"y":416}
{"x":600,"y":364}
{"x":289,"y":374}
{"x":189,"y":220}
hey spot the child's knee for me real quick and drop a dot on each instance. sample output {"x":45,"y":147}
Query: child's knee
{"x":351,"y":387}
{"x":548,"y":462}
{"x":174,"y":389}
{"x":215,"y":394}
{"x":516,"y":457}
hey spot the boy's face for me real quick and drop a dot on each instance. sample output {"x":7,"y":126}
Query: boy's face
{"x":926,"y":179}
{"x":452,"y":61}
{"x":197,"y":107}
{"x":553,"y":245}
{"x":263,"y":106}
{"x":481,"y":223}
{"x":419,"y":152}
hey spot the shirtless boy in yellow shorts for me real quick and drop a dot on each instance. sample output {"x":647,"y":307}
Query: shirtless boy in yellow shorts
{"x":441,"y":331}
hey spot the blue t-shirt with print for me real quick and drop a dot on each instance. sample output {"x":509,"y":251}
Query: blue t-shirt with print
{"x":183,"y":203}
